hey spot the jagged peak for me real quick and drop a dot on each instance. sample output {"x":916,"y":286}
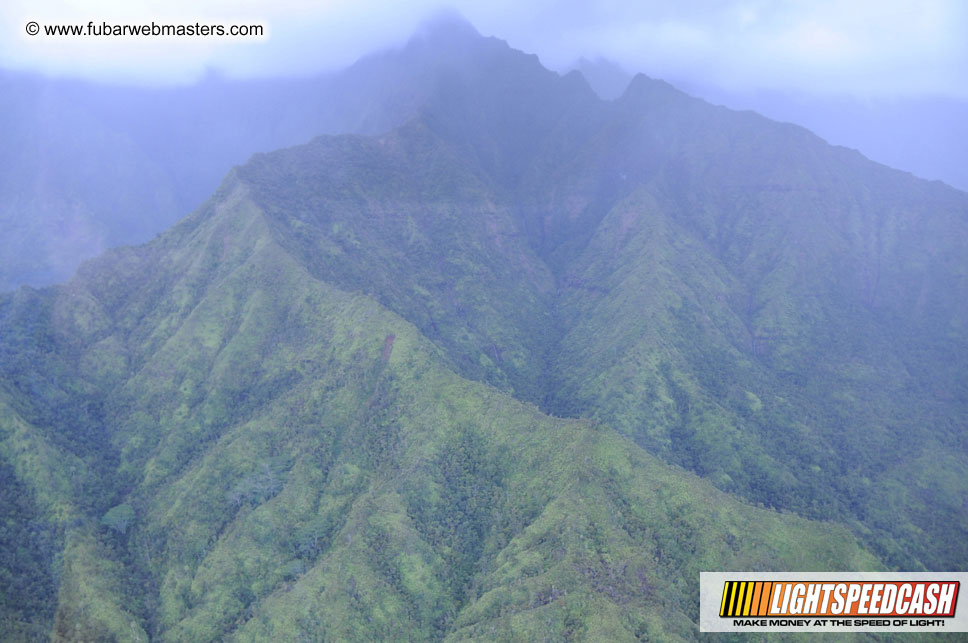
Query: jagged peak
{"x":607,"y":78}
{"x":643,"y":89}
{"x":445,"y":25}
{"x":575,"y":77}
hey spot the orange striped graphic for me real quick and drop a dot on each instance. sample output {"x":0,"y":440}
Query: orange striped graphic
{"x":746,"y":598}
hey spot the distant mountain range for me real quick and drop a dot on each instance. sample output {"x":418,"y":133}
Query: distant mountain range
{"x":516,"y":364}
{"x":927,"y":136}
{"x":87,"y":166}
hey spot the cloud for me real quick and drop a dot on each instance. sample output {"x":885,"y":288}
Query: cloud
{"x":883,"y":48}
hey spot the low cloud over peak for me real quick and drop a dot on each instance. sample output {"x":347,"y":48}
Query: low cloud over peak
{"x":864,"y":48}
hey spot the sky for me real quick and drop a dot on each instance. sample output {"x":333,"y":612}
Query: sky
{"x":886,"y":77}
{"x":866,"y":48}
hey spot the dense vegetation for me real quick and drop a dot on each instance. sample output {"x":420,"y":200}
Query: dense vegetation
{"x":518,"y":369}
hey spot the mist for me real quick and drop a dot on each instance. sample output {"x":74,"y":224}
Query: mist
{"x":887,"y":78}
{"x":889,"y":48}
{"x":378,"y":327}
{"x":111,"y":140}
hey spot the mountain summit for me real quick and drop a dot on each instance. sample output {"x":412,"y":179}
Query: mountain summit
{"x":520,"y":366}
{"x":160,"y":152}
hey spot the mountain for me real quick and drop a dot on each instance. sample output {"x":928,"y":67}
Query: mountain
{"x":89,"y":166}
{"x":922,"y":135}
{"x":517,"y":368}
{"x":607,"y":78}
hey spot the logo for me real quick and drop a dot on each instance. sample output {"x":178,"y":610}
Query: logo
{"x":831,"y":602}
{"x":866,"y":598}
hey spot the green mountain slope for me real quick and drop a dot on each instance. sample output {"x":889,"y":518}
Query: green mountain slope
{"x":518,"y":369}
{"x":792,"y":323}
{"x":706,"y":282}
{"x":300,"y":459}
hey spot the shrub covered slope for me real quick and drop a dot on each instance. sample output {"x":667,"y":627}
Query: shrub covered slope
{"x":519,"y":368}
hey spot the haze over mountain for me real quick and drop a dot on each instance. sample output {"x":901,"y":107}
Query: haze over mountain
{"x":927,"y":136}
{"x":519,"y":367}
{"x":88,"y":166}
{"x":924,"y":135}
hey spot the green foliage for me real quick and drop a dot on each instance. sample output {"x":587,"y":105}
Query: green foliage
{"x":518,"y":381}
{"x":28,"y":553}
{"x":119,"y":518}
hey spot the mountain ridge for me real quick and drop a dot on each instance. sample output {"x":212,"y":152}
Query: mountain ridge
{"x":183,"y":512}
{"x":521,"y":366}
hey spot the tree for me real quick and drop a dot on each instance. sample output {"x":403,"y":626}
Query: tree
{"x":119,"y":518}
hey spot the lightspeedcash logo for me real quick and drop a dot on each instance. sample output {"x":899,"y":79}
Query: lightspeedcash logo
{"x":831,"y":602}
{"x":866,"y":598}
